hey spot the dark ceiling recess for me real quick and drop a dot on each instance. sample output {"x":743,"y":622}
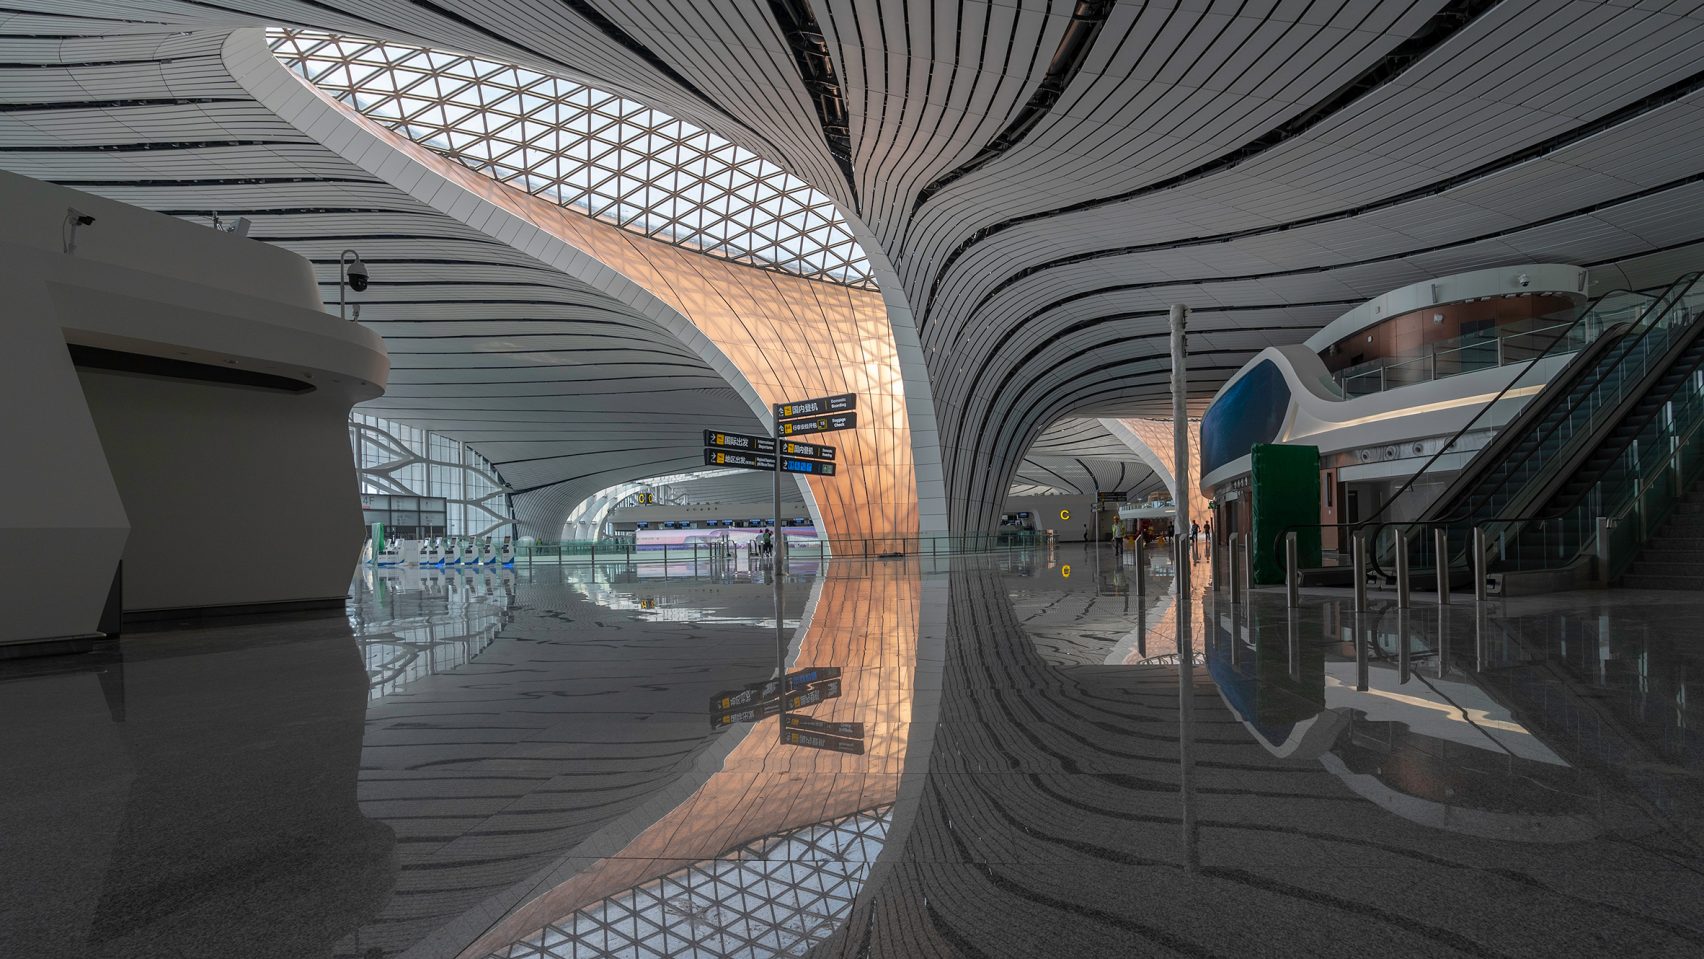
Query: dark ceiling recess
{"x":798,"y":24}
{"x":142,"y":364}
{"x":1086,"y":22}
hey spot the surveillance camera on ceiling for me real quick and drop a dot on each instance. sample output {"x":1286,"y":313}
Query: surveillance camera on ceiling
{"x":358,"y":276}
{"x":1524,"y":280}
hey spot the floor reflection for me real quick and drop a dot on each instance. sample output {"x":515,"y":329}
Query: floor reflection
{"x":1021,"y":754}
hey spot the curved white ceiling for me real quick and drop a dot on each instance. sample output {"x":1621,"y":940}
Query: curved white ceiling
{"x":1078,"y":456}
{"x":1043,"y":179}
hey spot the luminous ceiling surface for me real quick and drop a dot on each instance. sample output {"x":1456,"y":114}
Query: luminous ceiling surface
{"x":587,"y":149}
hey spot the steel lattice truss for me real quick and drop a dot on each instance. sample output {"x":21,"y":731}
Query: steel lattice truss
{"x":776,"y":896}
{"x":586,"y":149}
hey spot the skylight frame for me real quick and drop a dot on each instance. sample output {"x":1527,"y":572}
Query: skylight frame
{"x":586,"y":149}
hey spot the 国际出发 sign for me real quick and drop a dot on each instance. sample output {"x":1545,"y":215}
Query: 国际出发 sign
{"x":720,"y":439}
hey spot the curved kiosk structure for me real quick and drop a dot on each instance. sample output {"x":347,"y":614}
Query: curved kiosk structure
{"x":190,"y":384}
{"x":1380,"y":389}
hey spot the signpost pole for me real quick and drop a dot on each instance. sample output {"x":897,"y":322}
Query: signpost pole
{"x":780,"y":545}
{"x":775,"y":573}
{"x":1185,"y":645}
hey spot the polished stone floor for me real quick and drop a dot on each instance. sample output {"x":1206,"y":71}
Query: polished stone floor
{"x":1021,"y":754}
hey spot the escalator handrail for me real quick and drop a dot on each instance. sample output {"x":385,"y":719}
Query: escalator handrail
{"x":1613,"y":353}
{"x":1450,"y":444}
{"x":1514,"y":525}
{"x":1646,"y":480}
{"x":1680,"y":288}
{"x":1608,"y":340}
{"x":1506,"y":437}
{"x":1684,"y":283}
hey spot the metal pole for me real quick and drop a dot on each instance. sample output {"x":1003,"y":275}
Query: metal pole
{"x":1231,"y":561}
{"x":1402,"y":569}
{"x":1443,"y":642}
{"x":1247,"y":565}
{"x":1213,"y":563}
{"x":1292,"y":572}
{"x":1142,"y":630}
{"x":1362,"y":631}
{"x":1481,"y":639}
{"x":1360,"y":545}
{"x":1141,"y":558}
{"x":775,"y":517}
{"x":1441,"y":561}
{"x":775,"y":571}
{"x":1478,"y":564}
{"x":1402,"y":653}
{"x":1186,"y":688}
{"x":1293,"y":624}
{"x":1602,"y":551}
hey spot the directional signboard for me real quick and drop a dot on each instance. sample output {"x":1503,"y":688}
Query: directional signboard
{"x":804,"y":687}
{"x":816,"y":734}
{"x":819,"y":424}
{"x":770,"y":688}
{"x":749,"y":461}
{"x":752,"y":712}
{"x":766,"y":462}
{"x":798,"y":737}
{"x":842,"y":403}
{"x":808,"y":467}
{"x":739,"y":441}
{"x":809,"y":451}
{"x":809,"y":725}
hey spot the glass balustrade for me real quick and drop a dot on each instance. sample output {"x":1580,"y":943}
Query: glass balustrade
{"x":1472,"y":353}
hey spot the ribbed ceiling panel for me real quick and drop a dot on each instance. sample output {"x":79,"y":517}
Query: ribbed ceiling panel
{"x":1042,"y":179}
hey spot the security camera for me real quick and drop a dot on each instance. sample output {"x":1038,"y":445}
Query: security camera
{"x":358,"y":276}
{"x":1524,"y":280}
{"x":75,"y":219}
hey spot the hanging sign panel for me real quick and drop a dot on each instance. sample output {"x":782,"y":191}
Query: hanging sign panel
{"x":722,"y":440}
{"x":764,"y":461}
{"x":809,"y":725}
{"x":819,"y":424}
{"x":762,"y":700}
{"x":771,"y":688}
{"x":797,"y":737}
{"x":844,"y":402}
{"x":808,"y":467}
{"x":809,"y":451}
{"x":745,"y":461}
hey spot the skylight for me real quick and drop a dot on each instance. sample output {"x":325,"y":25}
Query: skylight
{"x":586,"y":149}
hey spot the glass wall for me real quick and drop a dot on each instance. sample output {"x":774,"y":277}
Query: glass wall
{"x":398,"y":459}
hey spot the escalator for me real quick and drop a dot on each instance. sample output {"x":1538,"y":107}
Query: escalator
{"x":1569,"y":434}
{"x":1577,"y":449}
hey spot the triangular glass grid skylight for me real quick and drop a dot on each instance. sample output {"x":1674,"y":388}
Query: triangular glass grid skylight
{"x":776,"y":896}
{"x":586,"y":149}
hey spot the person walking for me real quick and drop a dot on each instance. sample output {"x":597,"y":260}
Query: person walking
{"x":1117,"y":536}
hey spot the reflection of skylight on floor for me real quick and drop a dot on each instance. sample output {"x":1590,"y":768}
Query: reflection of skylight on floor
{"x":777,"y":896}
{"x":588,"y":150}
